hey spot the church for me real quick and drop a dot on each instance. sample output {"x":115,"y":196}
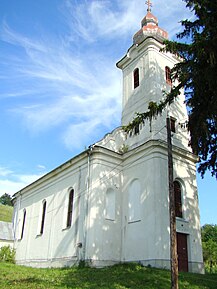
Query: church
{"x":110,"y":203}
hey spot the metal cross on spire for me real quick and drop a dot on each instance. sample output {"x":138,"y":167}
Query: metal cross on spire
{"x":148,"y":2}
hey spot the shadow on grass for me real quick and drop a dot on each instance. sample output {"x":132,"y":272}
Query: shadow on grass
{"x":134,"y":276}
{"x":122,"y":276}
{"x":118,"y":277}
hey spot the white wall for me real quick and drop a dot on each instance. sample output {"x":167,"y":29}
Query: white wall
{"x":57,"y":245}
{"x":104,"y":234}
{"x":6,"y":243}
{"x":147,"y":238}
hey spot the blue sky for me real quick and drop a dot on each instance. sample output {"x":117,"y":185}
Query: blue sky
{"x":60,"y":90}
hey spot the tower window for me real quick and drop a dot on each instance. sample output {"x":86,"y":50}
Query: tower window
{"x":136,"y":129}
{"x":173,"y":125}
{"x":168,"y":75}
{"x":70,"y":208}
{"x":178,"y":199}
{"x":43,"y":217}
{"x":136,"y":77}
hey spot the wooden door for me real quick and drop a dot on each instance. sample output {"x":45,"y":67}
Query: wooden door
{"x":182,"y":251}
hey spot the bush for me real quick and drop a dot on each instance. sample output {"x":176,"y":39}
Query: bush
{"x":210,"y":267}
{"x":7,"y":254}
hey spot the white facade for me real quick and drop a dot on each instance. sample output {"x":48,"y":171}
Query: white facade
{"x":120,"y":209}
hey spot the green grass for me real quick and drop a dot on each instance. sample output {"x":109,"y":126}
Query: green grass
{"x":6,"y":213}
{"x":116,"y":277}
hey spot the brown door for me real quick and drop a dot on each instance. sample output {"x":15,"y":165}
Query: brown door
{"x":182,"y":251}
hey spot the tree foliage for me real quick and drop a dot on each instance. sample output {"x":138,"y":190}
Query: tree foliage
{"x":209,"y":241}
{"x":197,"y":74}
{"x":209,"y":232}
{"x":6,"y":199}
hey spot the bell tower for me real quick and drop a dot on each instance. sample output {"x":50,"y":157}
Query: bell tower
{"x":146,"y":77}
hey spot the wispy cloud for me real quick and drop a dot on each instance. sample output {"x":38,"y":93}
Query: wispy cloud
{"x":11,"y":182}
{"x":92,"y":20}
{"x":41,"y":167}
{"x":170,"y":14}
{"x":68,"y":86}
{"x":15,"y":38}
{"x":97,"y":19}
{"x":4,"y":172}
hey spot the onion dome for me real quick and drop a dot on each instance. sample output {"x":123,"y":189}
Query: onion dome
{"x":149,"y":28}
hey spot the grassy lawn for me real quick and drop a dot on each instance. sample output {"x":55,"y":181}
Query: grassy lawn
{"x":6,"y":213}
{"x":116,"y":277}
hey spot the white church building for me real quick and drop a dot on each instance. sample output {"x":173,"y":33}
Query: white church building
{"x":110,"y":203}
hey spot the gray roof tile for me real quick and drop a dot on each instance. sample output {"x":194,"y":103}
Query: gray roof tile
{"x":6,"y":231}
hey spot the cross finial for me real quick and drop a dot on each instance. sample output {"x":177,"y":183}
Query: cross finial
{"x":148,"y":2}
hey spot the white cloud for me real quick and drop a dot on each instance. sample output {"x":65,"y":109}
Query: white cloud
{"x":71,"y":90}
{"x":12,"y":37}
{"x":41,"y":167}
{"x":4,"y":172}
{"x":9,"y":187}
{"x":95,"y":19}
{"x":13,"y":183}
{"x":170,"y":13}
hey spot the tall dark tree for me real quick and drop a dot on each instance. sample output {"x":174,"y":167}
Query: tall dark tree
{"x":209,"y":232}
{"x":209,"y":241}
{"x":197,"y":74}
{"x":6,"y":200}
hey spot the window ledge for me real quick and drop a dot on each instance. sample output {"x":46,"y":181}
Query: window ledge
{"x":182,"y":220}
{"x":108,"y":219}
{"x":66,"y":228}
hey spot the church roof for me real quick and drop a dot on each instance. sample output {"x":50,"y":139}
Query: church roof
{"x":6,"y":231}
{"x":149,"y":27}
{"x":149,"y":19}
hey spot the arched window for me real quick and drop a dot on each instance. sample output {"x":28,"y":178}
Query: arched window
{"x":110,"y":205}
{"x":178,"y":199}
{"x":136,"y":77}
{"x":70,"y":208}
{"x":23,"y":225}
{"x":43,"y":217}
{"x":168,"y":75}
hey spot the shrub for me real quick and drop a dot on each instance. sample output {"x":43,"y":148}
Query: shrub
{"x":210,"y":267}
{"x":7,"y":254}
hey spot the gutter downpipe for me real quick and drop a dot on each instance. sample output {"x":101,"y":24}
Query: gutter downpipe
{"x":86,"y":200}
{"x":16,"y":215}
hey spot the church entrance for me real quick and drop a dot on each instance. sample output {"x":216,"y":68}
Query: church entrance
{"x":182,"y":251}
